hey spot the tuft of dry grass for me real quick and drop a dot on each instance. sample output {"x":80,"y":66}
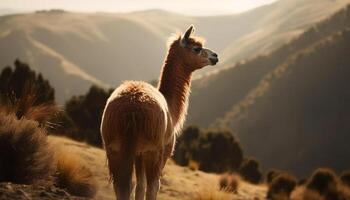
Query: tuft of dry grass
{"x":25,"y":155}
{"x":27,"y":106}
{"x":74,"y":175}
{"x":323,"y":180}
{"x":212,"y":193}
{"x":193,"y":165}
{"x":281,"y":186}
{"x":345,"y":178}
{"x":229,"y":182}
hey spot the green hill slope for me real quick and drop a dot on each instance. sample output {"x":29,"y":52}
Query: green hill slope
{"x":295,"y":115}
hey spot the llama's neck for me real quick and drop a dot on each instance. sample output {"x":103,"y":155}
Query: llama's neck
{"x":174,"y":84}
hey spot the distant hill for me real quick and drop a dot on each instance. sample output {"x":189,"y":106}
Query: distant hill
{"x":75,"y":50}
{"x":290,"y":109}
{"x":216,"y":94}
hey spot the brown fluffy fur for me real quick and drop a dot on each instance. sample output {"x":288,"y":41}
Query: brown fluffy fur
{"x":140,"y":122}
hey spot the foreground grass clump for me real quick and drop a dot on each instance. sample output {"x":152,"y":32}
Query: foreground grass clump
{"x":229,"y":182}
{"x":345,"y":178}
{"x":74,"y":175}
{"x":323,"y":180}
{"x":25,"y":155}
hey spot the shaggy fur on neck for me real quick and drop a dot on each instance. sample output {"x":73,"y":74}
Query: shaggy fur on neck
{"x":174,"y":84}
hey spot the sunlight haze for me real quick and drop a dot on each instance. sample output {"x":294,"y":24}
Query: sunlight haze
{"x":193,"y":7}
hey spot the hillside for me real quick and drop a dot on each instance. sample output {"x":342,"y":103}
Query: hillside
{"x":75,"y":50}
{"x":294,"y":101}
{"x":300,"y":110}
{"x":228,"y":87}
{"x":177,"y":182}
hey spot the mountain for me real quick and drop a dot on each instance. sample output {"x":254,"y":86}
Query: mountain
{"x":228,"y":87}
{"x":290,"y":109}
{"x":75,"y":50}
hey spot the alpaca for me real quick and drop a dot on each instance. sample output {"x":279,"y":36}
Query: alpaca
{"x":140,"y":122}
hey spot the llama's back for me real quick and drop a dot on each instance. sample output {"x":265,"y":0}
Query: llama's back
{"x":135,"y":118}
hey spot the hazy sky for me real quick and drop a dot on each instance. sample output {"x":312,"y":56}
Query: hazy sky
{"x":195,"y":7}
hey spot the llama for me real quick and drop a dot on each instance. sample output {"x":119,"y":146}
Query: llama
{"x":140,"y":122}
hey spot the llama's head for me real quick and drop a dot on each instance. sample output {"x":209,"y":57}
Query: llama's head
{"x":191,"y":53}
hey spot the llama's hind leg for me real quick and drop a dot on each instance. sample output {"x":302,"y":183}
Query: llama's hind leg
{"x":121,"y":167}
{"x":153,"y":167}
{"x":141,"y":178}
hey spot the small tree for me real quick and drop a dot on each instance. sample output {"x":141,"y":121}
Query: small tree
{"x":14,"y":84}
{"x":215,"y":151}
{"x":86,"y":113}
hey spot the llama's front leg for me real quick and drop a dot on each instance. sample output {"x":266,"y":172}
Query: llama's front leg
{"x":153,"y":166}
{"x":141,"y":179}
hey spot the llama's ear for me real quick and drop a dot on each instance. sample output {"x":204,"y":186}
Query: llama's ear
{"x":187,"y":35}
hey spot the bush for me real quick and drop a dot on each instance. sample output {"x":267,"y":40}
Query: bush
{"x":74,"y":175}
{"x":15,"y":83}
{"x":85,"y":112}
{"x":345,"y":178}
{"x":281,"y":185}
{"x":323,"y":180}
{"x":25,"y":155}
{"x":250,"y":171}
{"x":270,"y":175}
{"x":215,"y":151}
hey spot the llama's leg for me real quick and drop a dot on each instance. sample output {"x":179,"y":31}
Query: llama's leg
{"x":141,"y":178}
{"x":153,"y":166}
{"x":121,"y":167}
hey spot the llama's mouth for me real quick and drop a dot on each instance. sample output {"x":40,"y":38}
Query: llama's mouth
{"x":213,"y":61}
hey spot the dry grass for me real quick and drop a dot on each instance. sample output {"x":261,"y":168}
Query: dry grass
{"x":212,"y":193}
{"x":25,"y":155}
{"x":193,"y":165}
{"x":74,"y":175}
{"x":27,"y":106}
{"x":229,"y":182}
{"x":281,"y":186}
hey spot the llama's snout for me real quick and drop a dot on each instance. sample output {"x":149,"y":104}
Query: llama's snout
{"x":213,"y":58}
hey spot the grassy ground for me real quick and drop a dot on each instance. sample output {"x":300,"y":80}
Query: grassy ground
{"x":177,"y":182}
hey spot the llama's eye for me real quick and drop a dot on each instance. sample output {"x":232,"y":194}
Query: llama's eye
{"x":197,"y":49}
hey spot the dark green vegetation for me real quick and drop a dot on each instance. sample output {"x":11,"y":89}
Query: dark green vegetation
{"x":290,"y":109}
{"x":86,"y":113}
{"x":16,"y":82}
{"x":215,"y":151}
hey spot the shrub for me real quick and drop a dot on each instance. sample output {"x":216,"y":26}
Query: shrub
{"x":345,"y":178}
{"x":25,"y":155}
{"x":74,"y":175}
{"x":323,"y":180}
{"x":250,"y":171}
{"x":270,"y":175}
{"x":281,"y":186}
{"x":15,"y":83}
{"x":215,"y":151}
{"x":85,"y":111}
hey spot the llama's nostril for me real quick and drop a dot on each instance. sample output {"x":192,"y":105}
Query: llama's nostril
{"x":214,"y":60}
{"x":215,"y":55}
